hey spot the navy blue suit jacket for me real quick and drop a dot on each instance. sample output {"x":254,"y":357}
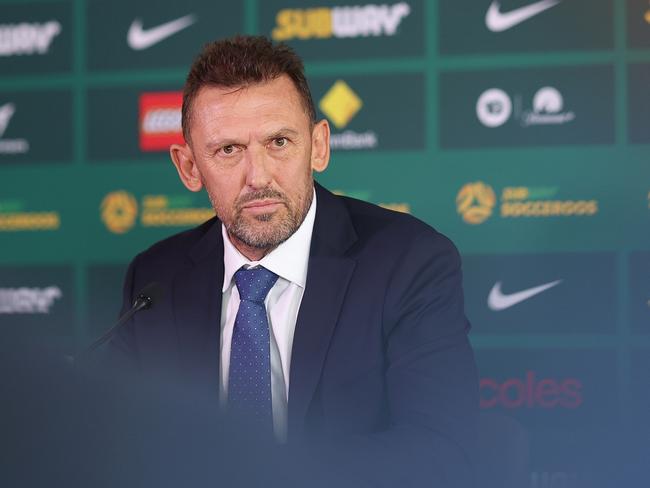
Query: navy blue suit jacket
{"x":380,"y":360}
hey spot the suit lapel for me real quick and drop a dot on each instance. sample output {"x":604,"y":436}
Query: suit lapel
{"x":197,"y":309}
{"x":328,"y":277}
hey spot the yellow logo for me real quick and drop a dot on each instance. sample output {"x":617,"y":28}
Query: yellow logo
{"x":475,"y":202}
{"x":339,"y":22}
{"x":340,"y":104}
{"x":14,"y":218}
{"x":119,"y":210}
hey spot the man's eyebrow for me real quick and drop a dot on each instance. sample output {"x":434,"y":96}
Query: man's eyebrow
{"x":284,"y":131}
{"x":217,"y":143}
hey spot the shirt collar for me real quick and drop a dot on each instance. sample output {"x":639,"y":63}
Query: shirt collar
{"x":289,"y":260}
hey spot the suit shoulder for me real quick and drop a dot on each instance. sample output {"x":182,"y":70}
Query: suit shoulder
{"x":170,"y":249}
{"x":370,"y":219}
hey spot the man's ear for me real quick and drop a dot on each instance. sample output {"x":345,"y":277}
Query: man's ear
{"x":320,"y":146}
{"x":183,"y":159}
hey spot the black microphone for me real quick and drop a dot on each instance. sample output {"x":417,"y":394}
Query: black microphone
{"x":147,"y":298}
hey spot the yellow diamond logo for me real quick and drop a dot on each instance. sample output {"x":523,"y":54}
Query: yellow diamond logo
{"x":340,"y":104}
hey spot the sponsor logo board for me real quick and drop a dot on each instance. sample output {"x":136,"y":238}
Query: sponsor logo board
{"x":362,"y":117}
{"x":25,"y":138}
{"x":167,"y":36}
{"x":36,"y":301}
{"x":560,"y":386}
{"x":143,"y":122}
{"x":140,"y":39}
{"x":561,"y":293}
{"x":120,"y":211}
{"x":477,"y":203}
{"x":28,"y":300}
{"x":566,"y":400}
{"x":36,"y":38}
{"x":335,"y":30}
{"x":504,"y":26}
{"x":519,"y":107}
{"x":494,"y":108}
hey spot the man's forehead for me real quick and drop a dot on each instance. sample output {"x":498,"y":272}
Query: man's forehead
{"x":265,"y":108}
{"x":280,"y":90}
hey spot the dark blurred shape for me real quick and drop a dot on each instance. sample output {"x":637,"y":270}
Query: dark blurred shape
{"x":503,"y":452}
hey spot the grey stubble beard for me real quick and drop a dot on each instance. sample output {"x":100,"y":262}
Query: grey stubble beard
{"x":272,"y":237}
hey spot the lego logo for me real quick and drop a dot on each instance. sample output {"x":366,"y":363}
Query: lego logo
{"x":160,"y":120}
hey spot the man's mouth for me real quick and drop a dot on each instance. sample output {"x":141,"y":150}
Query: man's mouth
{"x":261,"y":206}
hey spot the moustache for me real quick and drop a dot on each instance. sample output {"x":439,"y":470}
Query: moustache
{"x":266,"y":193}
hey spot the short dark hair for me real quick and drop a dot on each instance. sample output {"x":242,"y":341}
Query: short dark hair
{"x":241,"y":61}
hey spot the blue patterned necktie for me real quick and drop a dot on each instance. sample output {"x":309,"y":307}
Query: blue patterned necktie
{"x":249,"y":377}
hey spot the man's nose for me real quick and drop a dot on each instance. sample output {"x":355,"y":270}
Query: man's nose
{"x":258,"y":169}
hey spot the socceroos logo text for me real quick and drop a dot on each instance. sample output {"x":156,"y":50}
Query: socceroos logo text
{"x":15,"y":217}
{"x":119,"y":211}
{"x":475,"y":202}
{"x":340,"y":104}
{"x":339,"y":22}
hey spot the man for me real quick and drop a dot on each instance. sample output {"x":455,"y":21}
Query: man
{"x":322,"y":317}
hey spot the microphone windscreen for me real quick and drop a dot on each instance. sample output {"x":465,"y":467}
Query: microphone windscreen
{"x":154,"y":291}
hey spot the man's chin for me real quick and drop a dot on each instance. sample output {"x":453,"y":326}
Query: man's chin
{"x":262,"y":231}
{"x":263,"y":217}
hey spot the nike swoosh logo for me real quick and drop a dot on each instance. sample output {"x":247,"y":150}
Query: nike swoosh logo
{"x":498,"y":21}
{"x":6,"y":112}
{"x":497,"y":300}
{"x":139,"y":39}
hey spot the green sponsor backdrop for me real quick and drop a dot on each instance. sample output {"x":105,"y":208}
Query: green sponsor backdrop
{"x":78,"y":196}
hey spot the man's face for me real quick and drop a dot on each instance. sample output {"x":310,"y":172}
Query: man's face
{"x":253,"y":148}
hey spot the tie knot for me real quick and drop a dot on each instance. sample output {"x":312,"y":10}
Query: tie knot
{"x":254,"y":283}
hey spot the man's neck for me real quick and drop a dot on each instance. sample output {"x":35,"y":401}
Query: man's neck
{"x":250,"y":253}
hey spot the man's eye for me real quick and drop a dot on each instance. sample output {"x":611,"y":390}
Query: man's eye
{"x":229,"y":149}
{"x":280,"y":141}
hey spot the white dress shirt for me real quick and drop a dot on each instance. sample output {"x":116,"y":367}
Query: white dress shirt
{"x":289,"y":261}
